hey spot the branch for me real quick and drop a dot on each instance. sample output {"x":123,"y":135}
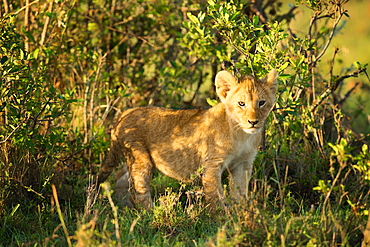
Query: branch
{"x":46,"y":24}
{"x":14,"y":130}
{"x":332,"y":62}
{"x":335,"y":85}
{"x":26,"y":6}
{"x":329,"y":40}
{"x":241,"y":52}
{"x":256,"y":8}
{"x":6,"y":7}
{"x":287,"y":16}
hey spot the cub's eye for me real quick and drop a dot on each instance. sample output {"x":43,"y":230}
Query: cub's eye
{"x":241,"y":103}
{"x":261,"y":103}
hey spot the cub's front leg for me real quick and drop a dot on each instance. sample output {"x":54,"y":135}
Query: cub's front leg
{"x":140,"y":170}
{"x":212,"y":186}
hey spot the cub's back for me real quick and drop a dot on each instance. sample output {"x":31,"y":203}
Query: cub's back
{"x":144,"y":123}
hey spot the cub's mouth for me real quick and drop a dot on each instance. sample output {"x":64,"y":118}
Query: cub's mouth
{"x":252,"y":130}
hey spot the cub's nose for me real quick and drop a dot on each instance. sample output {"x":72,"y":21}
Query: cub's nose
{"x":253,"y":123}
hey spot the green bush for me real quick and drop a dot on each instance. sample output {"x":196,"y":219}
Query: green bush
{"x":32,"y":137}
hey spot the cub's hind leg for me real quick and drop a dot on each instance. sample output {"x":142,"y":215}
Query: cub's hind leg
{"x":123,"y":186}
{"x":140,"y":170}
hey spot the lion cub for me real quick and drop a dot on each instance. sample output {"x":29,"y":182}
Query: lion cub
{"x":184,"y":143}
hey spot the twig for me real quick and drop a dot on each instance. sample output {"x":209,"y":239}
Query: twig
{"x":287,"y":15}
{"x":348,"y":93}
{"x":26,"y":20}
{"x":35,"y":120}
{"x":122,"y":32}
{"x":28,"y":188}
{"x":313,"y":61}
{"x":46,"y":24}
{"x":281,"y":108}
{"x":246,"y":54}
{"x":318,"y":57}
{"x":14,"y":130}
{"x":333,"y":87}
{"x":26,"y":6}
{"x":6,"y":7}
{"x":257,"y":9}
{"x":332,"y":62}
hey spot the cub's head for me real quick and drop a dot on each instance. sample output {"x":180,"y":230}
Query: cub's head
{"x":248,"y":100}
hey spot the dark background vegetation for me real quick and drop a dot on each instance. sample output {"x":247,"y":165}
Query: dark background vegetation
{"x":67,"y":68}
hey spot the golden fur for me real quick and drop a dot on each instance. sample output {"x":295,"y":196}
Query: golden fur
{"x":183,"y":144}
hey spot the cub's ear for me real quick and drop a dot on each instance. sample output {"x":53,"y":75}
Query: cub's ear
{"x":271,"y":79}
{"x":224,"y":82}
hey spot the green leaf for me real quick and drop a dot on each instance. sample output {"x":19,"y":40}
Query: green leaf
{"x":212,"y":102}
{"x":4,"y":59}
{"x":192,"y":18}
{"x":201,"y":16}
{"x":35,"y":53}
{"x":284,"y":66}
{"x":21,"y":54}
{"x":285,"y":76}
{"x":92,"y":27}
{"x":365,"y":149}
{"x":256,"y":20}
